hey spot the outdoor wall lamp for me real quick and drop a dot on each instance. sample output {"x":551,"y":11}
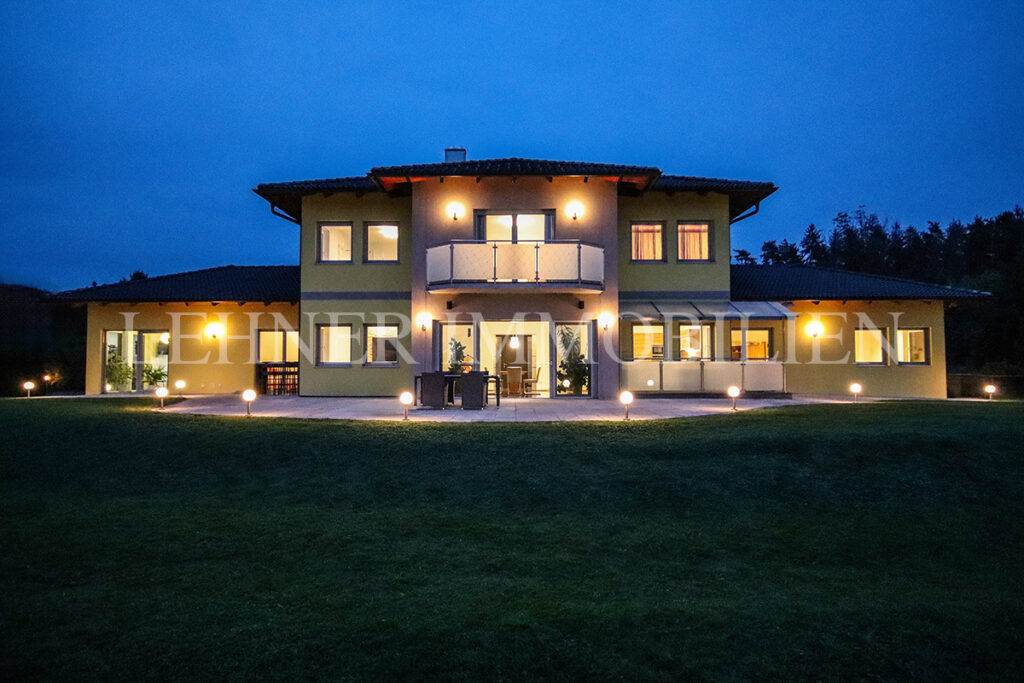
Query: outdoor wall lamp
{"x":814,"y":329}
{"x":456,"y":210}
{"x":991,"y":389}
{"x":423,"y":320}
{"x":406,"y":399}
{"x":248,"y":396}
{"x":734,"y":393}
{"x":574,"y":209}
{"x":605,"y":320}
{"x":855,"y":389}
{"x":215,"y":330}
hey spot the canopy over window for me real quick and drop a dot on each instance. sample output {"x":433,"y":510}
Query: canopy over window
{"x":705,"y":310}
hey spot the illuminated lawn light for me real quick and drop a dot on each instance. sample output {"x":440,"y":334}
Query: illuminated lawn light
{"x":161,"y":393}
{"x":991,"y":389}
{"x":180,"y":386}
{"x":855,"y":389}
{"x":248,"y":396}
{"x":625,"y":398}
{"x":28,"y":387}
{"x":734,"y":393}
{"x":406,"y":398}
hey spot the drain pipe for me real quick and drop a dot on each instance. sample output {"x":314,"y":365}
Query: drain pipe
{"x":745,"y":216}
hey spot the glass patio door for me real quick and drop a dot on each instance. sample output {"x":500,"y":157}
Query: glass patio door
{"x":135,"y":360}
{"x":573,"y":364}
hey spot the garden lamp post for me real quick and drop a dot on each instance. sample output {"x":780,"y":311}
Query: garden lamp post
{"x":406,"y":399}
{"x":625,"y":398}
{"x":248,"y":396}
{"x":161,"y":393}
{"x":734,"y":393}
{"x":991,"y":389}
{"x":28,"y":387}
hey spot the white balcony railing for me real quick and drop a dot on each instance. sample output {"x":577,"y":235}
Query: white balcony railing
{"x":687,"y":376}
{"x":525,"y":263}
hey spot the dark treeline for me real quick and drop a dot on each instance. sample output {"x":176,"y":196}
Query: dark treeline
{"x":986,"y":254}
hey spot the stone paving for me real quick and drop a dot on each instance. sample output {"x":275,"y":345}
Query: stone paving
{"x":512,"y":409}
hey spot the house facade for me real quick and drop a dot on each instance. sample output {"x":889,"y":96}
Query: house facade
{"x":568,"y":279}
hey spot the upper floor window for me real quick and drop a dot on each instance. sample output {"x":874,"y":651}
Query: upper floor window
{"x":381,"y":240}
{"x":648,"y":242}
{"x":869,"y":346}
{"x":912,"y":347}
{"x":335,"y":243}
{"x":694,"y":241}
{"x":278,"y":346}
{"x":648,"y":342}
{"x":515,"y":227}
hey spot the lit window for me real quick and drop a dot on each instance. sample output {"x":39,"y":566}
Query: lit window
{"x":278,"y":346}
{"x":648,"y":342}
{"x":695,"y":342}
{"x":334,"y":344}
{"x":382,"y":344}
{"x":381,"y":243}
{"x":647,"y":241}
{"x":518,"y":227}
{"x":336,"y":243}
{"x":693,"y":242}
{"x":912,"y":347}
{"x":751,"y":345}
{"x":869,"y":346}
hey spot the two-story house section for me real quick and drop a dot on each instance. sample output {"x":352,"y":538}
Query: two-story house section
{"x":567,"y":279}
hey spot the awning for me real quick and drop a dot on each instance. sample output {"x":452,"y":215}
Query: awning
{"x":705,"y":310}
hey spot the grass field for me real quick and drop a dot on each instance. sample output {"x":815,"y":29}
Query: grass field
{"x":879,"y":540}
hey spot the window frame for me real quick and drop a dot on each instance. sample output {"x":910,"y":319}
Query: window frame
{"x":744,"y":358}
{"x":664,"y":246}
{"x":710,"y":225}
{"x":366,"y":347}
{"x":706,"y":355}
{"x":632,"y":340}
{"x":320,"y":362}
{"x":366,"y":244}
{"x":284,"y":345}
{"x":320,"y":242}
{"x":884,"y":332}
{"x":927,"y":345}
{"x":480,"y":226}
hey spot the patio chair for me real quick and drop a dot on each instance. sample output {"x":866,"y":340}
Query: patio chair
{"x":530,"y":384}
{"x":515,"y":380}
{"x":474,"y":390}
{"x":432,"y":390}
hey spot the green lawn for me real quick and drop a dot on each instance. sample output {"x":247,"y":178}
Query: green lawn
{"x":851,"y":541}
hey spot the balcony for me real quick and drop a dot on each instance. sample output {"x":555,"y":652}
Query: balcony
{"x":558,"y":266}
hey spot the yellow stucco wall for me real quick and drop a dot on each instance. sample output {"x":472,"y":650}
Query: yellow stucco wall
{"x":835,"y":375}
{"x":711,"y":278}
{"x":208,"y":366}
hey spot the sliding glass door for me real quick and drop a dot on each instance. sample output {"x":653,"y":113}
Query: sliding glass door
{"x":135,"y":360}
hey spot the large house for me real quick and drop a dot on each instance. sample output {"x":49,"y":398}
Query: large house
{"x":577,"y":279}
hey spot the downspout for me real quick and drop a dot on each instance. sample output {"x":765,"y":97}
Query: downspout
{"x":745,"y":216}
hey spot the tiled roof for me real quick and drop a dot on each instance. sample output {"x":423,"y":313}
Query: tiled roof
{"x":226,"y":283}
{"x":514,"y":166}
{"x":803,"y":283}
{"x":689,"y":183}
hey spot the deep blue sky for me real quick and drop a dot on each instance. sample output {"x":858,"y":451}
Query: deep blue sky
{"x":132,"y":132}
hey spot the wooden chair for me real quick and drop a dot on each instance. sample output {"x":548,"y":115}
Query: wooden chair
{"x":530,"y":384}
{"x":515,"y":380}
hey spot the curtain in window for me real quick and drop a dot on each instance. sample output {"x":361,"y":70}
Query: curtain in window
{"x":693,"y":242}
{"x":646,"y":242}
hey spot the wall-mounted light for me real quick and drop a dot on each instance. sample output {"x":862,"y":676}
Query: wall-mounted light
{"x":423,"y":320}
{"x":215,"y":330}
{"x":455,"y":210}
{"x":814,"y":329}
{"x":574,"y":209}
{"x":605,"y":320}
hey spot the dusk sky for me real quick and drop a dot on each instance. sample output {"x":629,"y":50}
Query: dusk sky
{"x":132,"y":132}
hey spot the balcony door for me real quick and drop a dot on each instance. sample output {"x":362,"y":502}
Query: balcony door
{"x":526,"y":226}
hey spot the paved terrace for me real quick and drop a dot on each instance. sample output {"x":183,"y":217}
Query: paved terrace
{"x":512,"y":409}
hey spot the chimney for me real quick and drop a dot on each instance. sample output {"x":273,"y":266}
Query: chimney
{"x":454,"y":154}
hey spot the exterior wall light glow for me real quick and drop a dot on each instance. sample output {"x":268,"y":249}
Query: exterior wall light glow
{"x":990,"y":389}
{"x":625,"y":398}
{"x":161,"y":393}
{"x":734,"y":393}
{"x":215,"y":330}
{"x":855,"y":389}
{"x":605,"y":320}
{"x":456,"y":210}
{"x":248,"y":396}
{"x":814,"y":329}
{"x":513,"y":343}
{"x":574,"y":209}
{"x":406,"y":398}
{"x":28,"y":387}
{"x":423,"y":320}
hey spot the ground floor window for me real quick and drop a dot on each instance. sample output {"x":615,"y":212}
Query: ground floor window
{"x":695,"y":342}
{"x":135,"y":360}
{"x":751,"y":345}
{"x":382,"y":344}
{"x":278,"y":346}
{"x":869,"y":346}
{"x":334,"y":344}
{"x":648,"y":342}
{"x":456,"y":347}
{"x":912,"y":347}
